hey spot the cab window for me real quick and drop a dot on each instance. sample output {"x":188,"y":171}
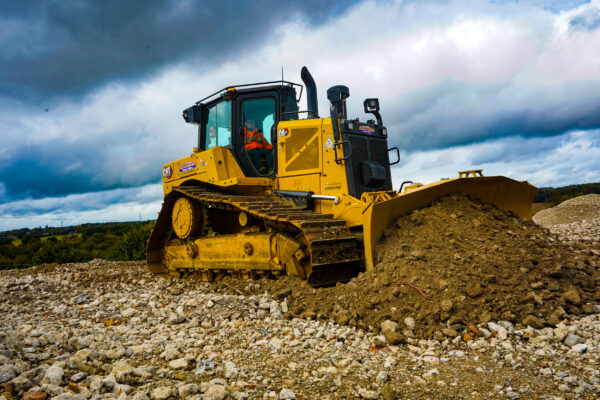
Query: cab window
{"x":258,"y":118}
{"x":218,"y":125}
{"x":289,"y":108}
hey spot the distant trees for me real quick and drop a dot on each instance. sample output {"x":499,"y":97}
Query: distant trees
{"x":558,"y":195}
{"x":133,"y":244}
{"x":112,"y":241}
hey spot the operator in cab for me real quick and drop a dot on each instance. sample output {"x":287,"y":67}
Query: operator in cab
{"x":257,"y":147}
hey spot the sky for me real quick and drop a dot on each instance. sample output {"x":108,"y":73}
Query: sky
{"x":91,"y":92}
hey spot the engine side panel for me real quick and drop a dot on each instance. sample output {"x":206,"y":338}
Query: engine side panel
{"x":216,"y":166}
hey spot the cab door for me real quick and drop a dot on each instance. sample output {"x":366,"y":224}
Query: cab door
{"x":261,"y":111}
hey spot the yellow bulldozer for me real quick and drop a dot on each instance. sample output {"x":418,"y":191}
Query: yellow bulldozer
{"x":272,"y":190}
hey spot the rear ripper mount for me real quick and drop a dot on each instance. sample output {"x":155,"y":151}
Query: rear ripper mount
{"x":248,"y":237}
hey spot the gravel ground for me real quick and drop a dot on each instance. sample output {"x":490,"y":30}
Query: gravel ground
{"x":109,"y":329}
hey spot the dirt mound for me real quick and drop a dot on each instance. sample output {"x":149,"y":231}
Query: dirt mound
{"x":582,"y":208}
{"x":455,"y":263}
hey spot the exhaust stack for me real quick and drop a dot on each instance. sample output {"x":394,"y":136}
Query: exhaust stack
{"x":311,"y":93}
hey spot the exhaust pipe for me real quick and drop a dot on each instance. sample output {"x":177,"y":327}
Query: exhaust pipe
{"x":311,"y":93}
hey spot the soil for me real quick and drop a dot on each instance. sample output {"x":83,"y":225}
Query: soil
{"x":455,"y":263}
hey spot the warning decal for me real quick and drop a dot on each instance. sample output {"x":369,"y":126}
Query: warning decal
{"x":329,"y":143}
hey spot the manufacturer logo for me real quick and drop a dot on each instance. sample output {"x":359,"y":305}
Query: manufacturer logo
{"x":283,"y":132}
{"x":167,"y":172}
{"x":187,"y":166}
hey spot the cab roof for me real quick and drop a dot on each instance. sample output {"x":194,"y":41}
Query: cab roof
{"x":251,"y":87}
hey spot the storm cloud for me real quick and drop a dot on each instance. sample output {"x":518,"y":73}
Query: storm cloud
{"x":61,"y":48}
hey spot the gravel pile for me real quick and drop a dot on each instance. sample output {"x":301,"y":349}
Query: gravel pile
{"x":110,"y":330}
{"x":575,"y":221}
{"x":578,"y":209}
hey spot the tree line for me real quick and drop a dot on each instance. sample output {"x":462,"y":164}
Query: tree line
{"x":558,"y":195}
{"x":110,"y":241}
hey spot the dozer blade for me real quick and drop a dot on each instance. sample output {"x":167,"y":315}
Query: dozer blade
{"x":504,"y":193}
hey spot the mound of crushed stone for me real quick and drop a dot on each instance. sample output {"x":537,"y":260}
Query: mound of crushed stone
{"x":582,"y":208}
{"x":455,"y":263}
{"x":575,"y":221}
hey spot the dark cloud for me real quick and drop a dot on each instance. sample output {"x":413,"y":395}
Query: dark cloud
{"x":67,"y":47}
{"x":59,"y":168}
{"x":460,"y":113}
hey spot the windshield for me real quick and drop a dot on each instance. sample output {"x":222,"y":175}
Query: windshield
{"x":218,"y":125}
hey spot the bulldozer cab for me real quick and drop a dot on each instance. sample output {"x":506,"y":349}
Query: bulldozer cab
{"x":244,"y":120}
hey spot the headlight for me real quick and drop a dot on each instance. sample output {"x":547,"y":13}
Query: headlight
{"x":350,"y":126}
{"x":384,"y":131}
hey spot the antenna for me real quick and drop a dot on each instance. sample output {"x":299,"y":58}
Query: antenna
{"x":282,"y":74}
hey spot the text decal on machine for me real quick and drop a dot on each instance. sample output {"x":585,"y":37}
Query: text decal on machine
{"x":187,"y":166}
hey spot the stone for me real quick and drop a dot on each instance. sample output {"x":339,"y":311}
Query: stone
{"x":388,"y":328}
{"x":287,"y":394}
{"x":449,"y":332}
{"x":572,"y":340}
{"x":500,"y":331}
{"x":7,"y":373}
{"x":381,"y":378}
{"x":109,"y":382}
{"x":446,"y":305}
{"x":120,"y":370}
{"x":230,"y":370}
{"x":215,"y":392}
{"x":410,"y":323}
{"x":572,"y":296}
{"x":561,"y":332}
{"x":379,"y":341}
{"x":474,"y":288}
{"x":35,"y":396}
{"x":180,"y":363}
{"x":579,"y":348}
{"x":276,"y":343}
{"x":533,"y":321}
{"x":188,"y":390}
{"x":430,"y":357}
{"x":73,"y":387}
{"x":342,"y":317}
{"x":128,"y":313}
{"x":368,"y":394}
{"x":162,"y":393}
{"x":141,"y":395}
{"x":21,"y":383}
{"x":53,"y":376}
{"x":388,"y":392}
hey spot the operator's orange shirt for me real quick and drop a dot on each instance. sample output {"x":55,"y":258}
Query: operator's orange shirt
{"x":256,"y":140}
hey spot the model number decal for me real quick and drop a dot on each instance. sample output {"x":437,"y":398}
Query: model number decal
{"x":283,"y":132}
{"x":366,"y":129}
{"x":187,"y":166}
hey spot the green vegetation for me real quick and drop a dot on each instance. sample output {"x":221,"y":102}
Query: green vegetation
{"x":111,"y":241}
{"x":558,"y":195}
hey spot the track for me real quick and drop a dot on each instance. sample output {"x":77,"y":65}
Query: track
{"x":333,"y":251}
